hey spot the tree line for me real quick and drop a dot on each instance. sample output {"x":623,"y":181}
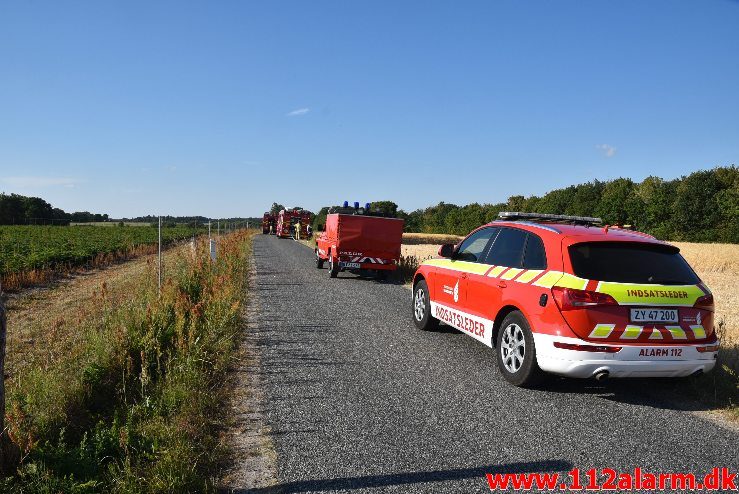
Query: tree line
{"x":700,"y":207}
{"x":16,"y":209}
{"x":194,"y":221}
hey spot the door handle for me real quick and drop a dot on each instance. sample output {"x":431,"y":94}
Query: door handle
{"x":502,"y":284}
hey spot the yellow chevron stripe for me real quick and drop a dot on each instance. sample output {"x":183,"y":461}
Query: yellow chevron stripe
{"x":631,"y":332}
{"x":656,"y":334}
{"x":570,"y":281}
{"x":495,"y":272}
{"x":549,"y":279}
{"x":529,"y":275}
{"x":510,"y":274}
{"x":461,"y":266}
{"x":677,"y":332}
{"x":602,"y":330}
{"x":698,"y":331}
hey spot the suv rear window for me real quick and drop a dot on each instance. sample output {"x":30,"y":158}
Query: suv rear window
{"x":623,"y":262}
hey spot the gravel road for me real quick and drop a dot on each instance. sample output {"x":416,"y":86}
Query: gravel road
{"x":358,"y":400}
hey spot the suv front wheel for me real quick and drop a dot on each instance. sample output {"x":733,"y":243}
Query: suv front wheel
{"x":422,"y":317}
{"x":516,"y":353}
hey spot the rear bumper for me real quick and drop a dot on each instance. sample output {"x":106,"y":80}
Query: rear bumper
{"x":631,"y":361}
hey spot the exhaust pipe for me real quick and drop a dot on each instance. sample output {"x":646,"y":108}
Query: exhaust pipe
{"x":601,"y":375}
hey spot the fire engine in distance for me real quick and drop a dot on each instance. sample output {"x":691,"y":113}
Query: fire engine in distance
{"x":268,"y":223}
{"x":289,"y":219}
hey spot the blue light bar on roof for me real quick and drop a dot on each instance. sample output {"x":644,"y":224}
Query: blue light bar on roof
{"x":517,"y":215}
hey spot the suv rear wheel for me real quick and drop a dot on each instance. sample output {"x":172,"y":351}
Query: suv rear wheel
{"x":422,"y":317}
{"x":515,"y":351}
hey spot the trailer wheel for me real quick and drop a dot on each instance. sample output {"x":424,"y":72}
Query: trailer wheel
{"x":319,"y":261}
{"x":333,"y":268}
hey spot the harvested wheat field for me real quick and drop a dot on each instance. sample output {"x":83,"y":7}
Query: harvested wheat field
{"x":430,"y":238}
{"x":718,"y":267}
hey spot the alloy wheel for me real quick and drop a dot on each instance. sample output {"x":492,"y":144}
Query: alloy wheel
{"x":419,"y":307}
{"x":513,"y":348}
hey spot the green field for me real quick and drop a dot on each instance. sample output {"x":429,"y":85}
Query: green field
{"x":27,"y":248}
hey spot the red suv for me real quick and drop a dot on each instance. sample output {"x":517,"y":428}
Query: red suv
{"x":564,"y":295}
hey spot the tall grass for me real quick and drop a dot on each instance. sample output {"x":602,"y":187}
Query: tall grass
{"x":720,"y":388}
{"x":407,"y":266}
{"x":135,"y":406}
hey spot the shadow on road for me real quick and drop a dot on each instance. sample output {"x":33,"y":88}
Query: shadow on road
{"x":654,"y":393}
{"x":393,"y":278}
{"x":444,"y":329}
{"x":406,"y":478}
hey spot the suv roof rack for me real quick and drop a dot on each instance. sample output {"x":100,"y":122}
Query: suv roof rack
{"x":551,"y":218}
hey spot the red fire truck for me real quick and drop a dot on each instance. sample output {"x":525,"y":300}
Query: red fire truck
{"x":287,"y":218}
{"x":268,"y":223}
{"x":355,"y":240}
{"x":306,"y":218}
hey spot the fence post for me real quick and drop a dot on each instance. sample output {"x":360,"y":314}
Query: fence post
{"x":159,"y":261}
{"x":3,"y":335}
{"x":9,"y":452}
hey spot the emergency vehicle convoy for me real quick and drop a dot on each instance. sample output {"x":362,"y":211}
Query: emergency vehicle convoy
{"x":288,"y":218}
{"x":360,"y":241}
{"x":565,"y":295}
{"x":268,"y":223}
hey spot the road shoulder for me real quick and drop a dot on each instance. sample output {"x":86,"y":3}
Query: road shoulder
{"x":248,"y":436}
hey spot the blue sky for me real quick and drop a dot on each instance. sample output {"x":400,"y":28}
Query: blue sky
{"x":221,"y":108}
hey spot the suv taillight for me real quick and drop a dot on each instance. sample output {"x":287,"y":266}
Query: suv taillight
{"x":705,"y":302}
{"x":571,"y":299}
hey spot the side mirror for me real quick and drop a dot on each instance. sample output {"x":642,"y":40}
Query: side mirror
{"x":446,"y":250}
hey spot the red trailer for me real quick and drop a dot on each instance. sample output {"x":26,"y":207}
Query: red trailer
{"x":268,"y":223}
{"x":360,"y":244}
